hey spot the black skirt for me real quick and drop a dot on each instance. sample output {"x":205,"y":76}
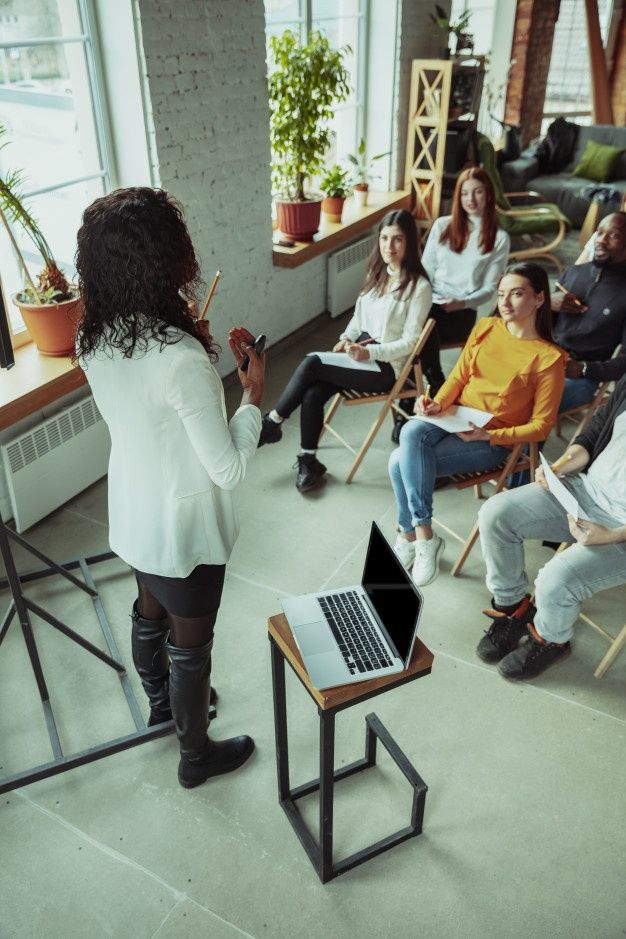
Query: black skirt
{"x":198,"y":594}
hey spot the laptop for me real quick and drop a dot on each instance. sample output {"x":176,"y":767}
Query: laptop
{"x":358,"y":633}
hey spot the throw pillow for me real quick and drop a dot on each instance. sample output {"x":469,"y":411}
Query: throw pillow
{"x":597,"y":161}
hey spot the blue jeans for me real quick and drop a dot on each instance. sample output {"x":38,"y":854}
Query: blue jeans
{"x":577,"y":391}
{"x":426,"y":452}
{"x":510,"y":518}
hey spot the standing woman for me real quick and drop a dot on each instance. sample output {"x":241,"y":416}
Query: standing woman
{"x":464,"y":257}
{"x":510,"y":368}
{"x":174,"y":459}
{"x":388,"y":318}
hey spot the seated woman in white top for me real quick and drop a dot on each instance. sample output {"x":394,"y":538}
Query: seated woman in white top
{"x":174,"y":459}
{"x":465,"y":256}
{"x":388,"y":318}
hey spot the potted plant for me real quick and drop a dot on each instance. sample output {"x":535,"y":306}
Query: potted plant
{"x":334,"y":185}
{"x":51,"y":309}
{"x":458,"y":28}
{"x":305,"y":83}
{"x":362,"y":172}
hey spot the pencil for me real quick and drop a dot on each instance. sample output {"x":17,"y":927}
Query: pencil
{"x":365,"y":342}
{"x":565,"y":290}
{"x":562,"y":460}
{"x":218,"y":274}
{"x":427,"y":395}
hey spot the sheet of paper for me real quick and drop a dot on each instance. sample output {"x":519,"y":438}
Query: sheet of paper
{"x":560,"y":491}
{"x":457,"y":418}
{"x":343,"y":360}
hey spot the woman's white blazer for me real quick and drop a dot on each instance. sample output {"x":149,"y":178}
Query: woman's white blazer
{"x":174,"y":459}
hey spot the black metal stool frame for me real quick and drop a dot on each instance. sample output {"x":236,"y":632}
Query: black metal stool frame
{"x":321,"y":854}
{"x":23,"y":606}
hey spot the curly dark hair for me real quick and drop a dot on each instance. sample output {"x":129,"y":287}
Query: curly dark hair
{"x":137,"y":273}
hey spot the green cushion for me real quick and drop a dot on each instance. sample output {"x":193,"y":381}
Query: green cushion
{"x":532,"y":222}
{"x":597,"y":161}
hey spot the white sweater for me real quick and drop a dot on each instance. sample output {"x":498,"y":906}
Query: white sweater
{"x":470,"y":276}
{"x":174,"y":459}
{"x":394,"y":321}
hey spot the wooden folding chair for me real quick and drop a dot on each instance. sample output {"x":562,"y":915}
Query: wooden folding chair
{"x":616,"y":643}
{"x":409,"y":384}
{"x":517,"y":461}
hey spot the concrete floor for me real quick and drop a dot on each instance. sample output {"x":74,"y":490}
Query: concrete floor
{"x":524,"y":826}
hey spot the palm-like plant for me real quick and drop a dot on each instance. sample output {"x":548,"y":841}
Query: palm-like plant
{"x":52,"y":285}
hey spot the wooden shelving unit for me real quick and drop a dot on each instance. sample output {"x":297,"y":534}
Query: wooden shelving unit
{"x":445,"y":95}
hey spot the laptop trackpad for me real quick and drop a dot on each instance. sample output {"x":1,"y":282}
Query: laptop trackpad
{"x":315,"y":638}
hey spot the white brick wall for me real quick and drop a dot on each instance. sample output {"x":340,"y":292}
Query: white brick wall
{"x":206,"y":80}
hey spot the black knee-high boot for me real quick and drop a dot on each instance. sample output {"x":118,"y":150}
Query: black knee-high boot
{"x":200,"y":758}
{"x":152,"y":663}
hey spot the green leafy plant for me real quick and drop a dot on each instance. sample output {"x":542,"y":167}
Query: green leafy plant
{"x":362,"y":172}
{"x":444,"y":24}
{"x":52,"y":285}
{"x":305,"y":83}
{"x":335,"y":182}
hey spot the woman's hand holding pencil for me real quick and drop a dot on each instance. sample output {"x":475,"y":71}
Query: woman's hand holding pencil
{"x":425,"y":406}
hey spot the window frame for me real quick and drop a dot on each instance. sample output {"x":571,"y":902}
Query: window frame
{"x":107,"y":172}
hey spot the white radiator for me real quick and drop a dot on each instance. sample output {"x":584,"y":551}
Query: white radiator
{"x":55,"y":460}
{"x":346,"y":273}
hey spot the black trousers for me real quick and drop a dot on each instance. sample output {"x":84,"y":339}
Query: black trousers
{"x":449,"y":328}
{"x":313,"y":384}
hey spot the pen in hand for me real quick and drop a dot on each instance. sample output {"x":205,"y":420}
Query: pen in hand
{"x":564,"y":290}
{"x":562,"y":460}
{"x":427,"y":398}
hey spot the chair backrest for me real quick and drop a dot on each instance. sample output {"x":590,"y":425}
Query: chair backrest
{"x":487,"y":159}
{"x":413,"y":358}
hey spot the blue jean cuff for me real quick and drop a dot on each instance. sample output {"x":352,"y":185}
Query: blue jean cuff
{"x":422,"y":521}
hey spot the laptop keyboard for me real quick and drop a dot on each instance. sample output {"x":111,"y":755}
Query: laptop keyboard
{"x":358,"y":641}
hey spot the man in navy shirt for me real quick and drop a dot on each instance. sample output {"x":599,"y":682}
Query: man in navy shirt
{"x":590,"y":319}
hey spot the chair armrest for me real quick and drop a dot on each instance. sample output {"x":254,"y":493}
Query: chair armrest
{"x":529,"y":210}
{"x":527,"y":194}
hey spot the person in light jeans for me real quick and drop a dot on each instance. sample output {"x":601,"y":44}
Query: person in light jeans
{"x":523,"y":639}
{"x":510,"y":369}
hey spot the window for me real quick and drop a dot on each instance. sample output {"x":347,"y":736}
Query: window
{"x":568,"y":93}
{"x":55,"y":126}
{"x":342,"y":21}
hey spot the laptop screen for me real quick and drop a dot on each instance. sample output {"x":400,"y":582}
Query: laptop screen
{"x":392,"y":593}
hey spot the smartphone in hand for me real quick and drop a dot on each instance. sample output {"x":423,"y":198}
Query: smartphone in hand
{"x":258,"y":345}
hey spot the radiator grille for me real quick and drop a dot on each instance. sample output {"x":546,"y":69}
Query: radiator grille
{"x":54,"y":461}
{"x":346,"y":274}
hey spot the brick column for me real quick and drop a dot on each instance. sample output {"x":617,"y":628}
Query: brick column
{"x":531,"y":50}
{"x":618,"y":74}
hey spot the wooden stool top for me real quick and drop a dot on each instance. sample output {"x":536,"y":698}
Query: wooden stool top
{"x":328,"y":698}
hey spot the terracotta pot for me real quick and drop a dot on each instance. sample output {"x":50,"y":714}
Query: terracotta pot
{"x":332,"y":207}
{"x":52,"y":325}
{"x":360,"y":195}
{"x":299,"y":220}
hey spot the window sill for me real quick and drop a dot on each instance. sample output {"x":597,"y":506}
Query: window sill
{"x":35,"y":381}
{"x":334,"y":234}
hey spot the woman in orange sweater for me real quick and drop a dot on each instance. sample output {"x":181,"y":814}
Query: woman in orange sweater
{"x":510,"y":368}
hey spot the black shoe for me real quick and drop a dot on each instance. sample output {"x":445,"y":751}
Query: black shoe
{"x":397,"y":427}
{"x":271,"y":432}
{"x":532,"y":658}
{"x":310,"y":472}
{"x":222,"y":756}
{"x":163,"y":715}
{"x":505,"y":632}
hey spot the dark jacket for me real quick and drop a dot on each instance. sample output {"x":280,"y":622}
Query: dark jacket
{"x":594,"y":335}
{"x":598,"y":432}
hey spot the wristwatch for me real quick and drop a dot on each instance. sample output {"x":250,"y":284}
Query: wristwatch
{"x":584,"y":369}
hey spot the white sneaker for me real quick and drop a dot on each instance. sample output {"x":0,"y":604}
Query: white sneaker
{"x":405,"y":551}
{"x":427,"y":556}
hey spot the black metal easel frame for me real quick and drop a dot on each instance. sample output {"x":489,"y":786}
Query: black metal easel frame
{"x":23,"y":606}
{"x":320,"y":852}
